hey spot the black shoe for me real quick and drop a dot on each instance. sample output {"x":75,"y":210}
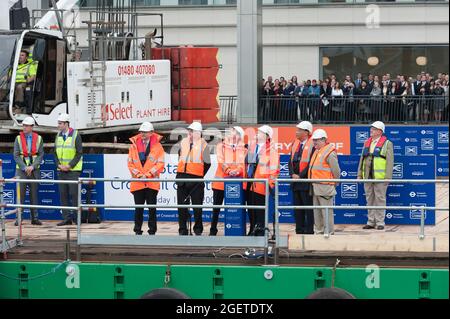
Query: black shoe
{"x":65,"y":223}
{"x":380,"y":228}
{"x":213,"y":232}
{"x":198,"y":234}
{"x":368,"y":227}
{"x":138,"y":233}
{"x":183,"y":233}
{"x":151,"y":233}
{"x":36,"y":222}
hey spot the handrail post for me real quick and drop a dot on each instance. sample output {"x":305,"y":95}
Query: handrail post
{"x":422,"y":223}
{"x":19,"y":214}
{"x":277,"y":224}
{"x":79,"y":210}
{"x":3,"y":247}
{"x":266,"y":224}
{"x":327,"y":223}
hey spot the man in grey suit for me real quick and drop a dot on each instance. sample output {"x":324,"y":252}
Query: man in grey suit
{"x":376,"y":163}
{"x":28,"y":154}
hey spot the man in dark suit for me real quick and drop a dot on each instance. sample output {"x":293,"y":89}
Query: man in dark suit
{"x":301,"y":152}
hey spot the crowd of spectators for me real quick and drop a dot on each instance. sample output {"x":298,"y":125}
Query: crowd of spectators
{"x":421,"y":99}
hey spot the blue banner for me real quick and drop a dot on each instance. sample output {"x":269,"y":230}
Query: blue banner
{"x":413,"y":195}
{"x":235,"y":219}
{"x":48,"y":194}
{"x":412,"y":167}
{"x":411,"y":141}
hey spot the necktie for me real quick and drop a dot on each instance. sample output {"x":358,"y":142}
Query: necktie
{"x":64,"y":137}
{"x":252,"y":164}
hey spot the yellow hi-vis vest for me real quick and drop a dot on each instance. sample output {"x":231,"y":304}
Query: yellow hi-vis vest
{"x":66,"y":150}
{"x":24,"y":71}
{"x":379,"y":158}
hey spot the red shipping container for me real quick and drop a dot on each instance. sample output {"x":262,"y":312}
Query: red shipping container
{"x":157,"y":54}
{"x":204,"y":116}
{"x":185,"y":57}
{"x":196,"y":98}
{"x":197,"y":78}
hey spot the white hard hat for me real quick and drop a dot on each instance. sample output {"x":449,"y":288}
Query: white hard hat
{"x":319,"y":134}
{"x":240,"y":130}
{"x":266,"y":130}
{"x":379,"y":125}
{"x":64,"y":118}
{"x":196,"y":126}
{"x":307,"y":126}
{"x":146,"y":127}
{"x":28,"y":121}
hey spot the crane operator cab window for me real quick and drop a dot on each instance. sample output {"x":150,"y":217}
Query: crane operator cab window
{"x":25,"y":79}
{"x":40,"y":76}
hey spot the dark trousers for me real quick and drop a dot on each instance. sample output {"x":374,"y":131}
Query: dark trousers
{"x":142,"y":197}
{"x":68,"y":193}
{"x":256,"y":216}
{"x":36,"y":174}
{"x":218,"y":197}
{"x":304,"y":218}
{"x":190,"y":193}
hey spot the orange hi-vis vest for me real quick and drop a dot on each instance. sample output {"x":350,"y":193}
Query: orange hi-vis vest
{"x":268,"y":168}
{"x":319,"y":168}
{"x":229,"y":158}
{"x":306,"y":154}
{"x":154,"y":162}
{"x":191,"y":157}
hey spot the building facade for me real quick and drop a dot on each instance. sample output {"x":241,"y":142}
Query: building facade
{"x":312,"y":38}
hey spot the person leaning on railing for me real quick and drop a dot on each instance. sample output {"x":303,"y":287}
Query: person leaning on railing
{"x":324,"y":165}
{"x":28,"y":154}
{"x":377,"y":162}
{"x":146,"y":161}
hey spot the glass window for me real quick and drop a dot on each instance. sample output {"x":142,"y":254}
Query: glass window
{"x":380,"y":60}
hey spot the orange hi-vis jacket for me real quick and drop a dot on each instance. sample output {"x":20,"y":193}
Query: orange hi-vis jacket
{"x":229,"y":158}
{"x":319,"y":168}
{"x":268,"y":167}
{"x":191,"y":158}
{"x":306,"y":155}
{"x":153,"y":166}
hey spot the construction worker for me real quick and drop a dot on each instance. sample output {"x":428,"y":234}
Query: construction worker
{"x":324,"y":165}
{"x":231,"y":155}
{"x":194,"y":163}
{"x":377,"y":162}
{"x":25,"y":76}
{"x":69,"y":162}
{"x":301,"y":152}
{"x":145,"y":160}
{"x":262,"y":162}
{"x":28,"y":154}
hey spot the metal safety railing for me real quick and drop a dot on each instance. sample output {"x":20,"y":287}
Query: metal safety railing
{"x":409,"y":109}
{"x":277,"y":241}
{"x":198,"y":241}
{"x":422,"y":209}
